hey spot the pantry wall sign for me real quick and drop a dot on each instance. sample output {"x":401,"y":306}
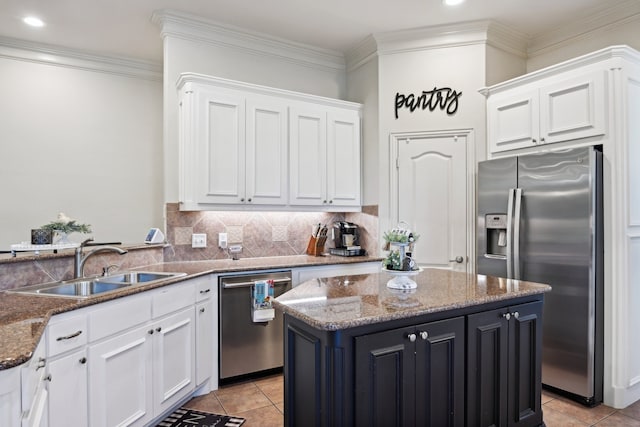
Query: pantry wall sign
{"x":444,"y":98}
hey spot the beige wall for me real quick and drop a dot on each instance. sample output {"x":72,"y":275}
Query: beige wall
{"x":84,"y":142}
{"x":626,"y":32}
{"x":460,"y":68}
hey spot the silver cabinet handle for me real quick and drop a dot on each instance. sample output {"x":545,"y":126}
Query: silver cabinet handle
{"x":68,"y":337}
{"x":516,"y":315}
{"x":412,"y":337}
{"x":424,"y":335}
{"x":458,"y":259}
{"x":42,"y":362}
{"x":507,"y":316}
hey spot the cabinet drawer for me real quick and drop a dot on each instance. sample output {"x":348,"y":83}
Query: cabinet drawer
{"x":119,"y":315}
{"x":205,"y":287}
{"x":172,"y":298}
{"x":66,"y":332}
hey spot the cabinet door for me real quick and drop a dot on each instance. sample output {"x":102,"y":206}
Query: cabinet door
{"x":204,"y":342}
{"x":308,"y":158}
{"x":343,"y":158}
{"x":525,"y":366}
{"x":487,"y":374}
{"x":513,"y":120}
{"x":219,"y":146}
{"x":573,"y":108}
{"x":67,"y":388}
{"x":440,"y":366}
{"x":120,"y":380}
{"x":174,"y":359}
{"x":266,"y":151}
{"x":385,"y":379}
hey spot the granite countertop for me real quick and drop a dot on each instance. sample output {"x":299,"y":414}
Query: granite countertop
{"x":23,"y":317}
{"x":338,"y":303}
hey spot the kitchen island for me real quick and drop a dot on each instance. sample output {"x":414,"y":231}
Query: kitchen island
{"x":359,"y":353}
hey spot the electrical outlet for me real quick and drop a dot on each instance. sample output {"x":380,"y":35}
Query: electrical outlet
{"x":198,"y":240}
{"x":222,"y":240}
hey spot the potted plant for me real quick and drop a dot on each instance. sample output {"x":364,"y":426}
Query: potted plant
{"x":64,"y":226}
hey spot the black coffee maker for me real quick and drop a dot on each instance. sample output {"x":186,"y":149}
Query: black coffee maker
{"x":346,"y":239}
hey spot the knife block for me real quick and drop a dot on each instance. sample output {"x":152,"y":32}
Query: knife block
{"x":316,"y":245}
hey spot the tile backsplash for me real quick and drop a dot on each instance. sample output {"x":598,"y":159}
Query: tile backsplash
{"x":261,"y":234}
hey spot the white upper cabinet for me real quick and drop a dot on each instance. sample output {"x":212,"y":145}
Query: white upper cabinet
{"x":266,"y":151}
{"x":248,"y":146}
{"x":561,"y":108}
{"x":325,"y":157}
{"x":343,"y":158}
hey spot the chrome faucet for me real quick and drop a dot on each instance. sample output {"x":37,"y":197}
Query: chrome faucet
{"x":79,"y":260}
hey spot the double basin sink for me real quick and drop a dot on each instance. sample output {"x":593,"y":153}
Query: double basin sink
{"x":91,"y":287}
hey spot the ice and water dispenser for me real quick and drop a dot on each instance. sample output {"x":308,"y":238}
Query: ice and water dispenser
{"x":496,"y":229}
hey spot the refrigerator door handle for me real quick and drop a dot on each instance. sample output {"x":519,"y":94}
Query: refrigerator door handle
{"x":516,"y":233}
{"x":510,"y":234}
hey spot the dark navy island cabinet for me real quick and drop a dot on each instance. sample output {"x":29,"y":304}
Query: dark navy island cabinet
{"x":475,"y":366}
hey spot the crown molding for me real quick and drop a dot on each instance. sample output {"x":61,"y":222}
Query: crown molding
{"x":194,"y":28}
{"x":606,"y":16}
{"x":443,"y":36}
{"x":619,"y":52}
{"x":362,"y":53}
{"x":63,"y":57}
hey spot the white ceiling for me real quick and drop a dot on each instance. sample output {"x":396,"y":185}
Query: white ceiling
{"x":123,"y":27}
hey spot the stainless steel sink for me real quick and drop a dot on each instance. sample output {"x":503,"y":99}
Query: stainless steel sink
{"x":81,"y":288}
{"x":131,"y":277}
{"x":91,"y":287}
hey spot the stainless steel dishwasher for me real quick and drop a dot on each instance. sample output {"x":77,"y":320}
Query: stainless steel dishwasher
{"x":248,"y":347}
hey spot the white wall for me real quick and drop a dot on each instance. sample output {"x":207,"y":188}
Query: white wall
{"x":626,"y":32}
{"x":362,"y":86}
{"x":79,"y":141}
{"x":460,"y":68}
{"x":286,"y":66}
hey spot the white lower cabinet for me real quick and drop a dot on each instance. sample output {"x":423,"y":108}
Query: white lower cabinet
{"x":67,"y":376}
{"x":303,"y":274}
{"x":173,"y":359}
{"x":204,"y":342}
{"x":121,"y":363}
{"x":120,"y":372}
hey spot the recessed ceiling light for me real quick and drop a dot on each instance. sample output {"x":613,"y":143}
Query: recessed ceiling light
{"x":33,"y":21}
{"x":452,"y":2}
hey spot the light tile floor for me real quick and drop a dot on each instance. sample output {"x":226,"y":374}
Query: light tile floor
{"x":261,"y":402}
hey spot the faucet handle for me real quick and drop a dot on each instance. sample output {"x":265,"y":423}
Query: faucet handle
{"x":107,"y":269}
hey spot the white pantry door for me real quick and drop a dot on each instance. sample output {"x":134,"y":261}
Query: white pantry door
{"x":431,"y":196}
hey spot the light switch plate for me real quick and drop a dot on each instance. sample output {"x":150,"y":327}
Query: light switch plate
{"x":198,"y":240}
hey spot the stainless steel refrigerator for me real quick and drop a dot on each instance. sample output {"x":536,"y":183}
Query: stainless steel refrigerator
{"x":540,"y":220}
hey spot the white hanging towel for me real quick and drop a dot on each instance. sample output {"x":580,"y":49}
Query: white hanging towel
{"x":261,"y":298}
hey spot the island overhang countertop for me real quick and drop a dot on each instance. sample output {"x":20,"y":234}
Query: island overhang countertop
{"x":337,"y":303}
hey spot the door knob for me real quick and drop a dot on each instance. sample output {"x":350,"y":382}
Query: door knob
{"x":424,"y":335}
{"x":412,"y":337}
{"x":458,"y":259}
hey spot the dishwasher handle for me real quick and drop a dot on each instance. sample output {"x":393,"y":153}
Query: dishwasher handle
{"x":248,"y":283}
